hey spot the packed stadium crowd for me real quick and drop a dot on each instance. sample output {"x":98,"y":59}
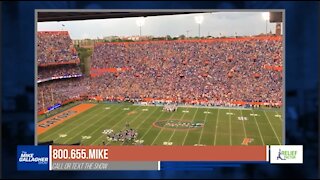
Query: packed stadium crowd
{"x":217,"y":72}
{"x":58,"y":71}
{"x":220,"y":71}
{"x":55,"y":47}
{"x":59,"y":91}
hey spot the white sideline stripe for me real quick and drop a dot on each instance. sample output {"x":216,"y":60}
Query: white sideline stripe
{"x":194,"y":106}
{"x":272,"y":127}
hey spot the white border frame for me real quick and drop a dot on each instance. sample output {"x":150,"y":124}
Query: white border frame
{"x":161,"y":10}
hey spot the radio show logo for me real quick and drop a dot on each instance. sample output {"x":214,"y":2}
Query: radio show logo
{"x":33,"y":157}
{"x":29,"y":157}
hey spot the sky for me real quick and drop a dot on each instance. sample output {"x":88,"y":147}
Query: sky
{"x":226,"y":23}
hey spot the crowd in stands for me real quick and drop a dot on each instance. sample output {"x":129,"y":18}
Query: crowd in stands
{"x":59,"y":91}
{"x":56,"y":57}
{"x":55,"y":47}
{"x":216,"y":72}
{"x":58,"y":71}
{"x":219,"y":71}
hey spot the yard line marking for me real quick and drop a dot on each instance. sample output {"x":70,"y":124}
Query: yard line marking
{"x":261,"y":123}
{"x":184,"y":140}
{"x":230,"y":129}
{"x":117,"y":123}
{"x":143,"y":121}
{"x":48,"y":135}
{"x":162,"y":113}
{"x":258,"y":129}
{"x":205,"y":119}
{"x":272,"y":127}
{"x":146,"y":118}
{"x":161,"y":130}
{"x":92,"y":124}
{"x":65,"y":127}
{"x":176,"y":128}
{"x":241,"y":135}
{"x":215,"y":133}
{"x":244,"y":128}
{"x":124,"y":117}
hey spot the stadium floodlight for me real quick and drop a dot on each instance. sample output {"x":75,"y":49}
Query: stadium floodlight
{"x":62,"y":27}
{"x":266,"y":17}
{"x":199,"y":20}
{"x":140,"y":22}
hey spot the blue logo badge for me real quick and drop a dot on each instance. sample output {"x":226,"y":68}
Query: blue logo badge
{"x":33,"y":158}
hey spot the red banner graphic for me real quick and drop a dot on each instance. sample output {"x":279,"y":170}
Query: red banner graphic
{"x":159,"y":153}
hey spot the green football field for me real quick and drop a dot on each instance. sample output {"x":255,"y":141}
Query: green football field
{"x":187,"y":126}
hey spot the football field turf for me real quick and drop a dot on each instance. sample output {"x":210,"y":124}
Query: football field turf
{"x":216,"y":126}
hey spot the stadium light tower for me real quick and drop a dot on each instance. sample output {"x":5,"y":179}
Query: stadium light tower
{"x":62,"y":26}
{"x":266,"y":17}
{"x":140,"y":23}
{"x":199,"y":20}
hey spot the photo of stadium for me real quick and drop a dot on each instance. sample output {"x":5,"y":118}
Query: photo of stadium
{"x":194,"y":89}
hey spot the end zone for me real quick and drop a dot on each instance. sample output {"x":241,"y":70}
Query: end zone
{"x":53,"y":121}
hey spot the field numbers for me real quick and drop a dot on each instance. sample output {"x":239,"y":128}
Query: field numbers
{"x":241,"y":118}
